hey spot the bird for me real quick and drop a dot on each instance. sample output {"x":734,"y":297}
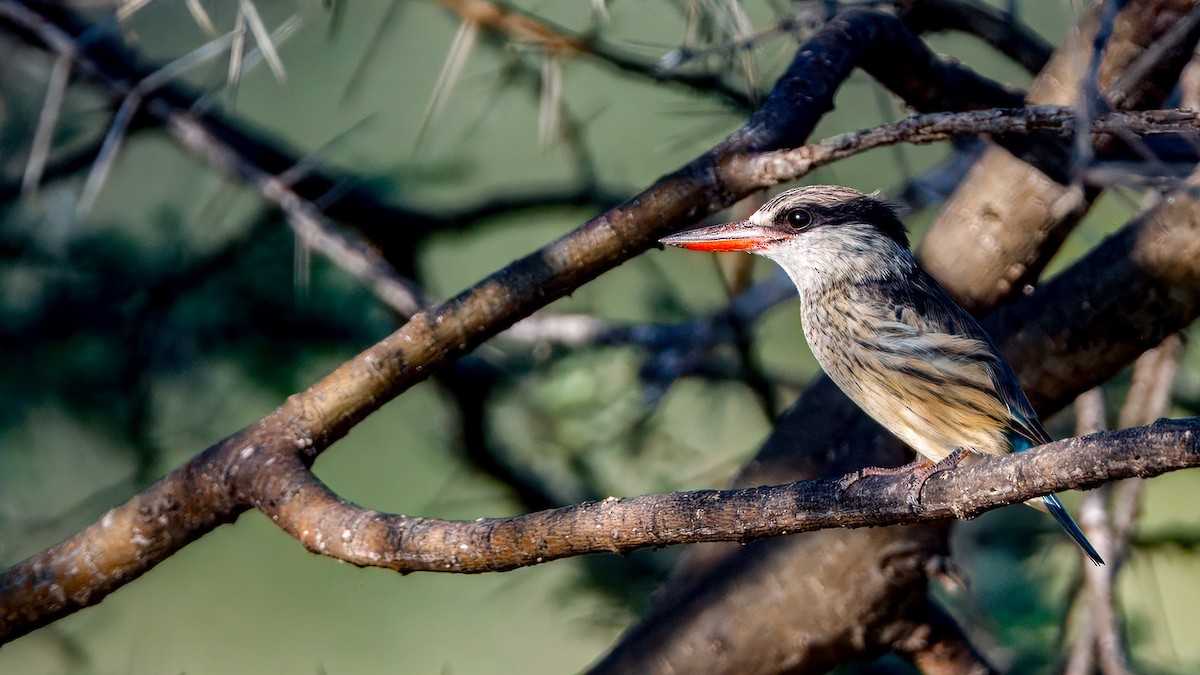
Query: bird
{"x":890,"y":337}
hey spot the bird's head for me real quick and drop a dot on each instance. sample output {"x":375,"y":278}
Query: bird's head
{"x":818,"y":230}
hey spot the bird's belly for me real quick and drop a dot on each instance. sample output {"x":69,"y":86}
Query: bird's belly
{"x":927,"y":419}
{"x":936,"y":436}
{"x":931,"y":389}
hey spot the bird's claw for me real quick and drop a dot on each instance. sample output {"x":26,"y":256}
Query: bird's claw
{"x":921,"y":472}
{"x":929,"y":470}
{"x":847,"y":480}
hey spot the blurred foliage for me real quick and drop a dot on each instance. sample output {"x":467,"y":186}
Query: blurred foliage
{"x":179,"y":309}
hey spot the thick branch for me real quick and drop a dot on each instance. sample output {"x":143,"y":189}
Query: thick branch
{"x":938,"y":646}
{"x":1017,"y":205}
{"x":327,"y":524}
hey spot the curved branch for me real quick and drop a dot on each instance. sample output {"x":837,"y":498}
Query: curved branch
{"x":329,"y":525}
{"x":938,"y":646}
{"x":1000,"y":30}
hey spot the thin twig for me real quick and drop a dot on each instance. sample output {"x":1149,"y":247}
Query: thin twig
{"x":262,"y":37}
{"x":1001,"y":30}
{"x":1096,"y":609}
{"x":39,"y":150}
{"x":312,"y":226}
{"x":1109,"y":514}
{"x":1048,"y":121}
{"x":522,"y":28}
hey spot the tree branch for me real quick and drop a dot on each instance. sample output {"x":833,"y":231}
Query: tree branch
{"x":1000,"y":30}
{"x":1030,"y":121}
{"x":1018,"y":203}
{"x":519,"y":27}
{"x":326,"y":524}
{"x":938,"y":646}
{"x":1108,"y":516}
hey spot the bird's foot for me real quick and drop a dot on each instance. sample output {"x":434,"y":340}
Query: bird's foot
{"x":929,"y":470}
{"x":849,"y":479}
{"x":921,"y":471}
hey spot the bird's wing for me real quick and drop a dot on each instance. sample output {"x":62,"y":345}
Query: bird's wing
{"x":1025,"y":422}
{"x":928,"y":307}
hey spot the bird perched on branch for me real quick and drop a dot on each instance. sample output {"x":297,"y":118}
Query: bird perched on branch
{"x":886,"y":333}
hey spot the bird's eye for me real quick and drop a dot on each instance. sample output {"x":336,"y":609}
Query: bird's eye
{"x":798,"y":219}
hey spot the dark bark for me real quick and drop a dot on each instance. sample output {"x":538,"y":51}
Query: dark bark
{"x":1003,"y":32}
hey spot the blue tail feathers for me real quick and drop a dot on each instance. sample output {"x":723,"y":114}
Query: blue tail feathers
{"x":1064,"y":519}
{"x":1055,"y":507}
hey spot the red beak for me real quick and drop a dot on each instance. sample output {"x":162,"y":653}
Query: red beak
{"x":741,"y":235}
